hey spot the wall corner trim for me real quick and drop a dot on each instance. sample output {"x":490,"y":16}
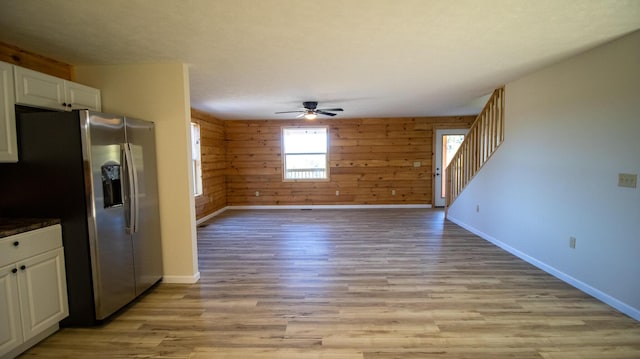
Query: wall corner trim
{"x":181,"y":279}
{"x":596,"y":293}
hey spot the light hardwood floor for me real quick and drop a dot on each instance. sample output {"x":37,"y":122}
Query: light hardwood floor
{"x":361,"y":284}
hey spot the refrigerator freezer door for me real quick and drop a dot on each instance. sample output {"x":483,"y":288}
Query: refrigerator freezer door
{"x":146,"y":239}
{"x":111,"y":248}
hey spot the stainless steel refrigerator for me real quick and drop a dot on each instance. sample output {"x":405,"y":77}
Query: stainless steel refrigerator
{"x":97,"y":173}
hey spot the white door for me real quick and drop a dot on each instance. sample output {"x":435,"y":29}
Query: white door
{"x":447,"y":143}
{"x":10,"y":335}
{"x":43,"y":292}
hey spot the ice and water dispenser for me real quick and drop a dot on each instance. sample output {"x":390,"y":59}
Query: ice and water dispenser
{"x":111,"y":185}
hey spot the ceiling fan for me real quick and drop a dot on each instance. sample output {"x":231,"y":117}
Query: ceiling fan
{"x":311,"y":112}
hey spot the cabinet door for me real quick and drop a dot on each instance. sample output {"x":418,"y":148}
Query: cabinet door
{"x":82,"y":97}
{"x":8,"y":146}
{"x":43,"y":292}
{"x":10,"y":334}
{"x":38,"y":89}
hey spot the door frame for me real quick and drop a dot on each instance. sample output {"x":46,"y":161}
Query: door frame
{"x":438,"y":133}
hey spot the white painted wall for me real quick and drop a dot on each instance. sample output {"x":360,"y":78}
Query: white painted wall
{"x":159,"y":93}
{"x":570,"y":129}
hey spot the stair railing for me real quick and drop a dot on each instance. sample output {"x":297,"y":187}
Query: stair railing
{"x":483,"y":139}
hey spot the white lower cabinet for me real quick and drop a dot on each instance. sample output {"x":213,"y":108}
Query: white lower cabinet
{"x":10,"y":326}
{"x":33,"y":290}
{"x":43,"y":292}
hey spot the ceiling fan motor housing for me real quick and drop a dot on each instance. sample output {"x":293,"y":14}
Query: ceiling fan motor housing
{"x":310,"y":105}
{"x":311,"y":110}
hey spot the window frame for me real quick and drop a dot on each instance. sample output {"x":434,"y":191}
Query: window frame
{"x":284,"y":155}
{"x":196,"y":163}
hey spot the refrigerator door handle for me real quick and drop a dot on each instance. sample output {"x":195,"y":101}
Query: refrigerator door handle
{"x":136,"y":192}
{"x":132,"y":184}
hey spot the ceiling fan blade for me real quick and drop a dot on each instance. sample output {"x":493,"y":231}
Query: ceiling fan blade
{"x":330,"y":109}
{"x":288,"y":112}
{"x":322,"y":112}
{"x":300,"y":115}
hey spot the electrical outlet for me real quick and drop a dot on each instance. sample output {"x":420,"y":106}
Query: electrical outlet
{"x":257,"y":193}
{"x":417,"y":164}
{"x":337,"y":193}
{"x":393,"y":192}
{"x":572,"y":242}
{"x":627,"y":180}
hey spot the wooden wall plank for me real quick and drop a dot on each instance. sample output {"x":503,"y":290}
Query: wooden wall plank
{"x":17,"y":56}
{"x":368,"y":158}
{"x":214,"y":164}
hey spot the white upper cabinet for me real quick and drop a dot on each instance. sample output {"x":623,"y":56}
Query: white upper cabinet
{"x":82,"y":97}
{"x":38,"y":89}
{"x":8,"y":145}
{"x":41,"y":90}
{"x":31,"y":88}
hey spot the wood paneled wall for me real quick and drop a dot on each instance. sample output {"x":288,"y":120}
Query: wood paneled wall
{"x":214,"y":191}
{"x":17,"y":56}
{"x":369,"y":158}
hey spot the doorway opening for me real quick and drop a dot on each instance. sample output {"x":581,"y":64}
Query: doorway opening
{"x":447,"y":143}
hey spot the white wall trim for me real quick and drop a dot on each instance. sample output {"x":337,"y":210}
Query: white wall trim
{"x":210,"y":215}
{"x":334,"y":206}
{"x":596,"y":293}
{"x":181,"y":279}
{"x":317,"y":206}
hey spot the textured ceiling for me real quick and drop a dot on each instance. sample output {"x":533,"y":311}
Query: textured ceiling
{"x":374,"y":58}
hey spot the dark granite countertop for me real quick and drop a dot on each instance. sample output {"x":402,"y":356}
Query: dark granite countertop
{"x":11,"y":226}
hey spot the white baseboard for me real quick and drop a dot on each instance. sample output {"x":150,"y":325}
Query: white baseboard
{"x":334,"y":206}
{"x":596,"y":293}
{"x":181,"y":279}
{"x":312,"y":206}
{"x":32,"y":342}
{"x":210,"y":215}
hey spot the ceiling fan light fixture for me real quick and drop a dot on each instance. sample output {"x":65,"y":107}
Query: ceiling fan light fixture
{"x":310,"y":111}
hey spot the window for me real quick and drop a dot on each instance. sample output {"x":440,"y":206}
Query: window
{"x":196,"y":159}
{"x":305,"y":153}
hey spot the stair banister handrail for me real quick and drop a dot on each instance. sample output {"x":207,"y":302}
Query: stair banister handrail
{"x":482,"y":140}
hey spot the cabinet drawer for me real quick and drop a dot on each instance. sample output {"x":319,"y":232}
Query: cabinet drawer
{"x":29,"y":244}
